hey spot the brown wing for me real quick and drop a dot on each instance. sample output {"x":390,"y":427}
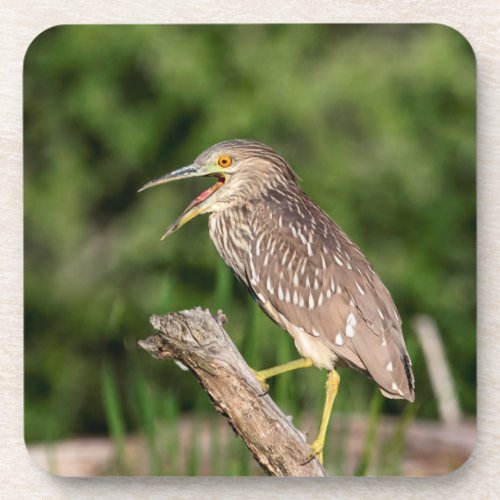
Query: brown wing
{"x":302,"y":265}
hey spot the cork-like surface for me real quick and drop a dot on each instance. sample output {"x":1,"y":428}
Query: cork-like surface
{"x":22,"y":21}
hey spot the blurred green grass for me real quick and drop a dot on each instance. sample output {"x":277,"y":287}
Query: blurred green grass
{"x":379,"y":122}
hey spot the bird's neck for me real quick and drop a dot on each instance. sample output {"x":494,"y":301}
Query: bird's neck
{"x":248,"y":187}
{"x":229,"y":230}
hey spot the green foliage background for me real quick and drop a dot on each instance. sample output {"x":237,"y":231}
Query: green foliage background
{"x":379,"y":122}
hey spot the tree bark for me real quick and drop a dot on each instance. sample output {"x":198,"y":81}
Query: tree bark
{"x":198,"y":341}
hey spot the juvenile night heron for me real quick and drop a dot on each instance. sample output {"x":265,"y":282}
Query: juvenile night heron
{"x":300,"y":267}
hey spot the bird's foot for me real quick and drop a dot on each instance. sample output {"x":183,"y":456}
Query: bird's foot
{"x":316,"y":451}
{"x":262,"y":382}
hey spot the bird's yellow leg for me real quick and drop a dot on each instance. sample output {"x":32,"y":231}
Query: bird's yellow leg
{"x":263,"y":375}
{"x":332,"y":387}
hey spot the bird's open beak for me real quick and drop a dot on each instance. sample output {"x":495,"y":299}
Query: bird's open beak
{"x":200,"y":204}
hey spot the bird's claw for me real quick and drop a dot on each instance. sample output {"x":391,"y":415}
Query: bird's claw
{"x":262,"y":382}
{"x":316,"y":451}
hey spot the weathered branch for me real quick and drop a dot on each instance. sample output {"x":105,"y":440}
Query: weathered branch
{"x":198,"y":340}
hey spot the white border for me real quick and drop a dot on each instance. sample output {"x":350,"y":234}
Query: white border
{"x":19,"y":25}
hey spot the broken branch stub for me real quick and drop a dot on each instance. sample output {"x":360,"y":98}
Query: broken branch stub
{"x":198,"y":341}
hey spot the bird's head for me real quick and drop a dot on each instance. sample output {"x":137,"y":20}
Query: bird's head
{"x":243,"y":169}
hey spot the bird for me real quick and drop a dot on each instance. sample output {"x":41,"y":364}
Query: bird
{"x":301,"y":268}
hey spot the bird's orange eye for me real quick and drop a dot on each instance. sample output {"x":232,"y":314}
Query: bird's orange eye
{"x":224,"y":161}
